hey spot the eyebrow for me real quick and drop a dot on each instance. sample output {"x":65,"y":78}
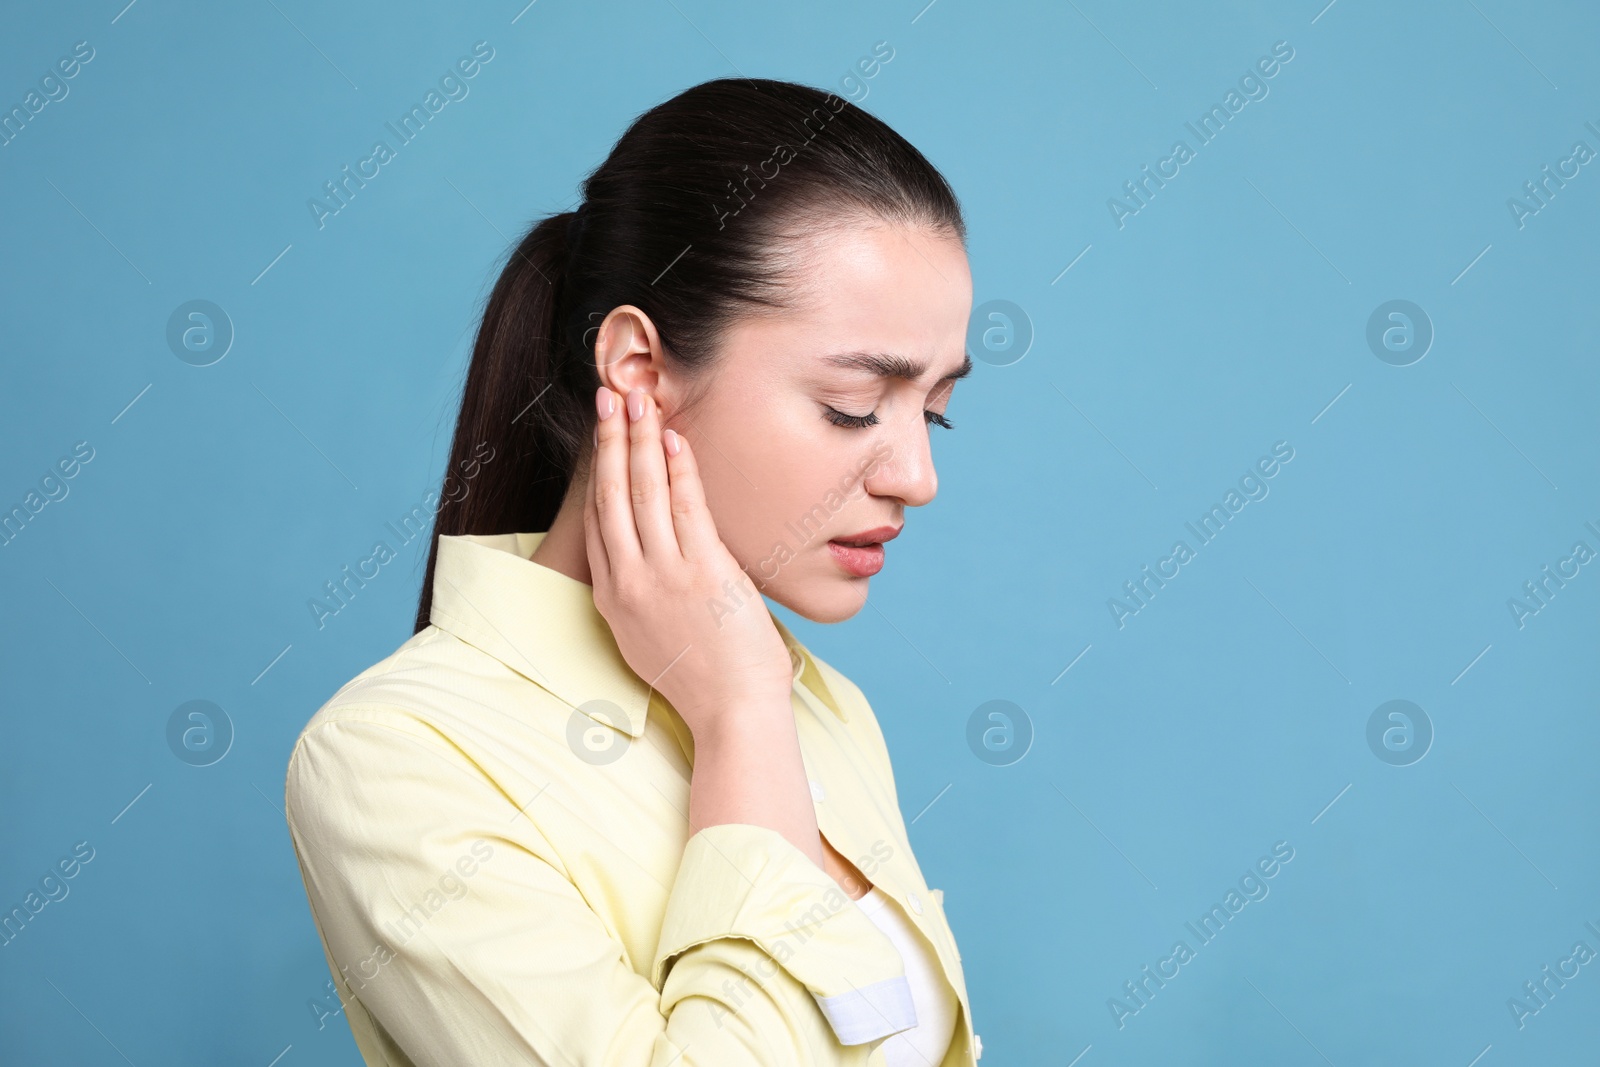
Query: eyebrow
{"x":889,"y":365}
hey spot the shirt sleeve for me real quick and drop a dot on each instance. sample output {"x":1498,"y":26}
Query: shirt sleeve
{"x":455,"y":935}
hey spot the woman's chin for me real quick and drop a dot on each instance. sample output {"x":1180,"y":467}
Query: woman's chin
{"x":825,"y":600}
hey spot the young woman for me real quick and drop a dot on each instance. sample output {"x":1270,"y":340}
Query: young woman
{"x":603,"y":808}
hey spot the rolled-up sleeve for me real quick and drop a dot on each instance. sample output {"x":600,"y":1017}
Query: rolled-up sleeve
{"x":455,"y":935}
{"x":748,"y":883}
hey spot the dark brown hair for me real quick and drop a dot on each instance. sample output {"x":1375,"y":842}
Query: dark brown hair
{"x":694,"y":218}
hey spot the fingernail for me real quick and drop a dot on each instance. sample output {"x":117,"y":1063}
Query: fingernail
{"x":635,"y":404}
{"x":605,"y":402}
{"x":674,"y":446}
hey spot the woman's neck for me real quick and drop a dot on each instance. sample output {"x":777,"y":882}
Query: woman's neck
{"x":565,"y":548}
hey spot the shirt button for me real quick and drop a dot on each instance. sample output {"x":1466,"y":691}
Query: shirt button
{"x":816,"y":791}
{"x":915,"y":902}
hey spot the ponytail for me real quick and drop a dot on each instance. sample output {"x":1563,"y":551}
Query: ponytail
{"x":522,"y":407}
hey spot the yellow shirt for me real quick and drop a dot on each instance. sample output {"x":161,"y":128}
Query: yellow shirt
{"x":492,"y":828}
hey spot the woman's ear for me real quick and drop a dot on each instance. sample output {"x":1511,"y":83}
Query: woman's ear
{"x":628,"y":355}
{"x":627,"y":350}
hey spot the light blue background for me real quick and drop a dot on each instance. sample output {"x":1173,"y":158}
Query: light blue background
{"x":1228,"y":314}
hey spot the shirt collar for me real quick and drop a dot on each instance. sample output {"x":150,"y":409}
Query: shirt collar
{"x":543,"y":624}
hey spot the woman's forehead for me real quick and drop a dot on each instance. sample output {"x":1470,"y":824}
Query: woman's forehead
{"x":875,"y":291}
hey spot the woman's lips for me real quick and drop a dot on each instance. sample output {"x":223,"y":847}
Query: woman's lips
{"x":862,"y":562}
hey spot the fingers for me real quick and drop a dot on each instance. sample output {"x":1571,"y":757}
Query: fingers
{"x":609,"y":483}
{"x":691,"y":519}
{"x":599,"y":561}
{"x":647,"y":473}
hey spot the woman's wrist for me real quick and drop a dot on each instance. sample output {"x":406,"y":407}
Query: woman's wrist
{"x":748,"y":769}
{"x":734,"y":717}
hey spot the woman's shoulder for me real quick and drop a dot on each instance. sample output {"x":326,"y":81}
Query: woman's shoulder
{"x":391,"y":691}
{"x":433,"y":732}
{"x":434,"y":687}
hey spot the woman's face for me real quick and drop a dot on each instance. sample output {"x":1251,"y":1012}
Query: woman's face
{"x":879,"y":334}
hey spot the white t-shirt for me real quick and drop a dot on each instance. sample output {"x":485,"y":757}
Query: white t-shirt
{"x":925,"y":1044}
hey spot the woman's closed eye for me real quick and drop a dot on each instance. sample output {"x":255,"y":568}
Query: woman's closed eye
{"x":856,"y":422}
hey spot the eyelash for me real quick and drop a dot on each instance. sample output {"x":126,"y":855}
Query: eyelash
{"x":856,"y":422}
